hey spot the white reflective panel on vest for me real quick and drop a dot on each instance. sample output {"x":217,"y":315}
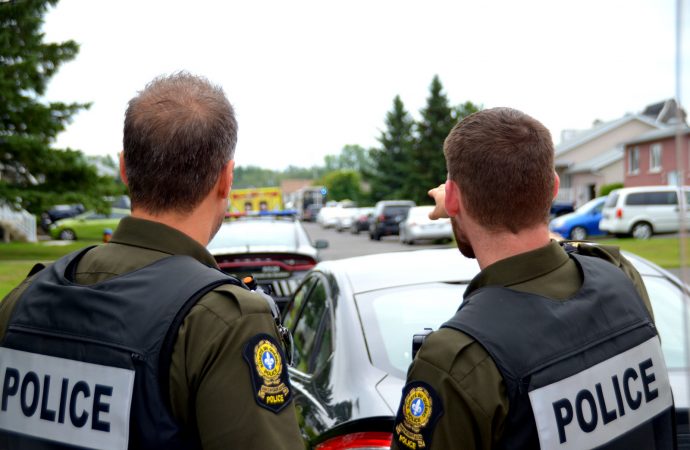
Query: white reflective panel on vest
{"x":63,"y":400}
{"x":603,"y":402}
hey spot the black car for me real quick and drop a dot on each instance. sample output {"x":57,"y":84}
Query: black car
{"x":273,"y":249}
{"x":387,"y":216}
{"x":353,"y":321}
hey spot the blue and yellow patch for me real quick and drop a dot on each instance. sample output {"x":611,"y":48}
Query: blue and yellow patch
{"x":418,"y":413}
{"x":268,"y":372}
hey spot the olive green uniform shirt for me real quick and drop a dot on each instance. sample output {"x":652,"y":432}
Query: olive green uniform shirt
{"x":470,"y":386}
{"x":210,"y":383}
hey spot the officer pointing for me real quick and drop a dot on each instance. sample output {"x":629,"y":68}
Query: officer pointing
{"x":554,"y":346}
{"x":143,"y":342}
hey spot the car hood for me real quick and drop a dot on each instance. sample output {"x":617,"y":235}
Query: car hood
{"x":390,"y":389}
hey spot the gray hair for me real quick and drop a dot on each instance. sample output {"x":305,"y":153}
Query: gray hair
{"x":179,"y":133}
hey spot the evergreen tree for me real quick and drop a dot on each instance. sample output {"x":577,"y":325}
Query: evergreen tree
{"x":390,"y":162}
{"x":32,"y":174}
{"x":427,"y":166}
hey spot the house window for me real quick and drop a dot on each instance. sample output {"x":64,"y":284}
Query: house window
{"x":655,"y":158}
{"x":634,"y":160}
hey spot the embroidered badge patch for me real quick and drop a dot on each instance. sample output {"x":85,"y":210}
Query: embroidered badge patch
{"x":269,"y":375}
{"x":419,"y":410}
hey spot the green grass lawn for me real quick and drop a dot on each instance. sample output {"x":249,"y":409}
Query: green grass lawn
{"x":17,"y":258}
{"x":660,"y":250}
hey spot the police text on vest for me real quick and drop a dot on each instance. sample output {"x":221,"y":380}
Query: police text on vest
{"x":603,"y":402}
{"x":64,"y":400}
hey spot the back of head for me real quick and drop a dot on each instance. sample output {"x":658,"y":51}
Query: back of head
{"x":179,"y":133}
{"x":503,"y":162}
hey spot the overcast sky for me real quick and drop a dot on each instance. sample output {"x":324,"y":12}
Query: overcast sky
{"x":308,"y":77}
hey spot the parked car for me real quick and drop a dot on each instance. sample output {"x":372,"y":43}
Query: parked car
{"x":345,"y":217}
{"x":275,"y":250}
{"x":88,"y":226}
{"x":387,"y":217}
{"x":57,"y":212}
{"x":646,"y":210}
{"x":559,"y":208}
{"x":353,"y":321}
{"x":362,"y":220}
{"x":582,"y":223}
{"x":418,"y":226}
{"x":328,"y":216}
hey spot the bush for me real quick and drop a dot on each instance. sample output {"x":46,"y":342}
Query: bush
{"x":605,"y":189}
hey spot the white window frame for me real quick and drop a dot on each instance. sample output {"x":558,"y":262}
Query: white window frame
{"x":634,"y":156}
{"x":655,"y":164}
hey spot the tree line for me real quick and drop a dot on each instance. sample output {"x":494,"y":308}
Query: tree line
{"x":407,"y":162}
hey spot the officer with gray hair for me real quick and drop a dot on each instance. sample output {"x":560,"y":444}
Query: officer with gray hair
{"x":143,"y":342}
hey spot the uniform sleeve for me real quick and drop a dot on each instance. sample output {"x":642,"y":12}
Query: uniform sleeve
{"x":211,"y":382}
{"x":463,"y":378}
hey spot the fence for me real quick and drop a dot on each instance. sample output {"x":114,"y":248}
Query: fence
{"x":17,"y":225}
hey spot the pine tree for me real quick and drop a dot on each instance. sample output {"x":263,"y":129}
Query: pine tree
{"x":32,"y":174}
{"x":427,"y":166}
{"x":390,"y":162}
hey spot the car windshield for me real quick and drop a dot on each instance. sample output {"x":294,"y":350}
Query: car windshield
{"x":592,"y":205}
{"x":391,"y":317}
{"x":242,"y":233}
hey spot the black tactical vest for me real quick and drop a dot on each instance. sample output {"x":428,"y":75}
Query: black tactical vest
{"x":581,"y":373}
{"x":88,"y":366}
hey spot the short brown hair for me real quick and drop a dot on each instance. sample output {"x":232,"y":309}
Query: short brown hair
{"x":503,"y":163}
{"x":179,"y":133}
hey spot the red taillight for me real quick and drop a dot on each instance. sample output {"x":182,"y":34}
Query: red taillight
{"x":369,"y":440}
{"x":619,"y":213}
{"x":382,"y":218}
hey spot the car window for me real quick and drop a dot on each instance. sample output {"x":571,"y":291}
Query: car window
{"x":652,"y":198}
{"x":293,"y":308}
{"x":396,"y":210}
{"x":255,"y":232}
{"x":324,"y":342}
{"x":611,"y":200}
{"x":667,"y":304}
{"x":307,"y":325}
{"x":390,"y":317}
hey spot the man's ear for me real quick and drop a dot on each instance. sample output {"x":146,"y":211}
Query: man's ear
{"x":556,"y":184}
{"x":452,"y":200}
{"x":225,"y":179}
{"x":123,"y":170}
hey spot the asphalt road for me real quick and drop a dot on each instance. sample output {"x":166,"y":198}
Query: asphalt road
{"x":346,"y":245}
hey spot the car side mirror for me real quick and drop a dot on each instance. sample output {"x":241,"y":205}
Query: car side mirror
{"x":321,"y":243}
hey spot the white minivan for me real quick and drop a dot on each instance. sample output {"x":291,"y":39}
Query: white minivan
{"x":645,"y":210}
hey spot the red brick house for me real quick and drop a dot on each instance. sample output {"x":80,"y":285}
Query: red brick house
{"x":652,"y":159}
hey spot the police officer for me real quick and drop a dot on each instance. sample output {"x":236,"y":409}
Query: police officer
{"x":554,"y":346}
{"x":143,"y":342}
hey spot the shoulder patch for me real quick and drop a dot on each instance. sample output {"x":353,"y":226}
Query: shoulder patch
{"x":268,"y":372}
{"x":420,"y":409}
